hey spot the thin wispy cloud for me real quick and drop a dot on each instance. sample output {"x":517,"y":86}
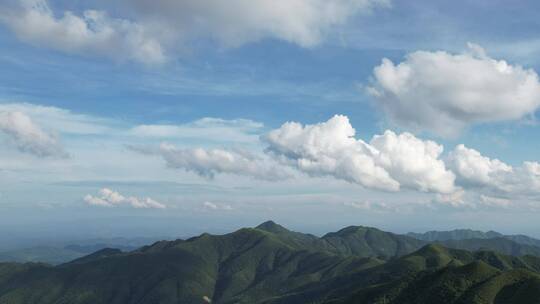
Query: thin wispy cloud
{"x":235,"y":130}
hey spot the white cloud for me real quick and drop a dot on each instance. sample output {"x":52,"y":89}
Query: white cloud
{"x":147,"y":30}
{"x":443,"y":93}
{"x":94,"y":32}
{"x":474,"y":169}
{"x":329,"y":148}
{"x":415,"y":163}
{"x":29,"y":137}
{"x":215,"y":206}
{"x":145,"y":203}
{"x":388,"y":162}
{"x":110,"y":198}
{"x":209,"y":162}
{"x":96,"y":201}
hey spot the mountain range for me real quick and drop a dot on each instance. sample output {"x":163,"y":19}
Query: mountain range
{"x":271,"y":264}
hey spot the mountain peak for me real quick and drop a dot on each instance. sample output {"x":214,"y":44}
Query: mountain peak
{"x":348,"y":231}
{"x":271,"y":226}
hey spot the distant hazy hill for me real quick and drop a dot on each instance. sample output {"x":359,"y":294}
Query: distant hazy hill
{"x":44,"y":254}
{"x":463,"y":234}
{"x":54,"y":255}
{"x":500,"y":244}
{"x":458,"y":234}
{"x":270,"y":264}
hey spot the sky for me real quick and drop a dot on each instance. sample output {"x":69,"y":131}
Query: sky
{"x":170,"y":118}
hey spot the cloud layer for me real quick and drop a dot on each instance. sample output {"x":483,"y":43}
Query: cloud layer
{"x":28,"y":137}
{"x":443,"y":93}
{"x":110,"y":198}
{"x":462,"y":177}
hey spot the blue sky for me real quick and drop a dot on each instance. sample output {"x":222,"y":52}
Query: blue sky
{"x":138,"y":119}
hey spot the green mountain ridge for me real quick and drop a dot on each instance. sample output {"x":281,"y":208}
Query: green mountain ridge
{"x":271,"y":264}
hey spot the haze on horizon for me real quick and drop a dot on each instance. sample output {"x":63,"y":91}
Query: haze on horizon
{"x":166,"y":119}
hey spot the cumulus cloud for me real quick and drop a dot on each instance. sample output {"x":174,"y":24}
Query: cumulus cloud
{"x":442,"y":92}
{"x":388,"y":162}
{"x":93,"y":32}
{"x":146,"y":31}
{"x":413,"y":162}
{"x":474,"y":169}
{"x":29,"y":137}
{"x":329,"y":148}
{"x":109,"y":198}
{"x":209,"y":162}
